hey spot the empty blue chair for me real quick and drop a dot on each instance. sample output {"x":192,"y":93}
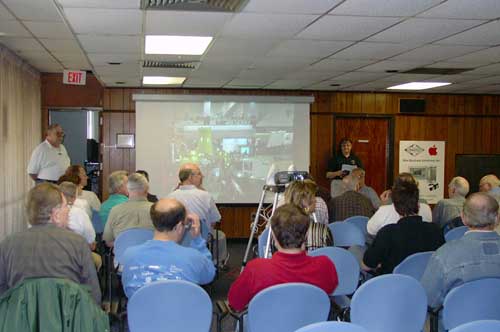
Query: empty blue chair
{"x":346,"y":234}
{"x":455,"y":233}
{"x":360,"y":222}
{"x":262,"y":242}
{"x":129,"y":238}
{"x":390,"y":303}
{"x":474,"y":300}
{"x":332,"y":327}
{"x":204,"y":232}
{"x":171,"y":305}
{"x":479,"y":326}
{"x":97,"y":223}
{"x":414,"y":265}
{"x":348,"y":269}
{"x":287,"y":307}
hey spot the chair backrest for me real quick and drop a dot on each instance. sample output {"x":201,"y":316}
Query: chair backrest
{"x":287,"y":307}
{"x":359,"y":221}
{"x":390,"y":303}
{"x":453,"y":223}
{"x":204,"y":232}
{"x":414,"y":265}
{"x":455,"y":233}
{"x":478,"y":326}
{"x":129,"y":238}
{"x":97,"y":223}
{"x":346,"y":234}
{"x":332,"y":327}
{"x":347,"y":268}
{"x":170,"y":305}
{"x":474,"y":300}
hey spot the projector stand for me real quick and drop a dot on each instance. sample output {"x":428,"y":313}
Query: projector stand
{"x":266,"y":216}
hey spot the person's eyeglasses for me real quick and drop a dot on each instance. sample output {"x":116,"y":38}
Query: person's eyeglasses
{"x":60,"y":133}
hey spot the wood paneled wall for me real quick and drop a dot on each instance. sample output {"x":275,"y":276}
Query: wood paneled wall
{"x":20,"y":130}
{"x":466,"y":122}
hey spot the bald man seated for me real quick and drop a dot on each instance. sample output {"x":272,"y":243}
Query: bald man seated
{"x":162,"y":257}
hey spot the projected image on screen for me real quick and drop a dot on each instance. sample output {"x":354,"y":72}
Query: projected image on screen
{"x":235,"y":144}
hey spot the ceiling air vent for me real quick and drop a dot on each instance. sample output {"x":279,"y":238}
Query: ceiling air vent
{"x":437,"y":71}
{"x":195,"y":5}
{"x":171,"y":64}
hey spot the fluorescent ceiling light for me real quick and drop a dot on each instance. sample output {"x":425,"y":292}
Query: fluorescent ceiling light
{"x":187,"y":45}
{"x":418,"y":85}
{"x":162,"y":80}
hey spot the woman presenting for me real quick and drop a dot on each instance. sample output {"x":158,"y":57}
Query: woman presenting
{"x":344,"y":161}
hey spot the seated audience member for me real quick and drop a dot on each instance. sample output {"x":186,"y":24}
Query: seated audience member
{"x":490,"y":184}
{"x":78,"y":202}
{"x":365,"y":190}
{"x":118,"y":193}
{"x":47,"y":249}
{"x":450,"y":208}
{"x":132,"y":214}
{"x":474,"y":256}
{"x":350,"y":203}
{"x":89,"y":196}
{"x":151,"y":198}
{"x":162,"y":257}
{"x":385,"y":197}
{"x":337,"y":188}
{"x":387,"y":214}
{"x":302,"y":194}
{"x":395,"y":242}
{"x":289,"y":226}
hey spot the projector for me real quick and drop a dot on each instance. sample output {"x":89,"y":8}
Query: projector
{"x":286,"y":177}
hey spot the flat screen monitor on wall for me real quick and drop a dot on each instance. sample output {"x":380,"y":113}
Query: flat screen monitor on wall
{"x":234,"y":139}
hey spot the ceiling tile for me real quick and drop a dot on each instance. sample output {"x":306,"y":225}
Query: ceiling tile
{"x":69,"y":56}
{"x":290,"y":84}
{"x":384,"y":8}
{"x":339,"y":65}
{"x":484,"y":35}
{"x":482,"y":57}
{"x":254,"y":74}
{"x":404,"y":78}
{"x":49,"y":30}
{"x":36,"y":55}
{"x":61,"y":45}
{"x":105,"y":21}
{"x":13,"y":29}
{"x":307,"y":48}
{"x":124,"y":70}
{"x":241,"y":47}
{"x":21,"y":44}
{"x":224,"y":73}
{"x":455,"y":78}
{"x":131,"y":4}
{"x":346,"y":27}
{"x":493,"y":69}
{"x":111,"y":44}
{"x":272,"y":26}
{"x":371,"y":51}
{"x":492,"y":80}
{"x":193,"y":82}
{"x":420,"y":31}
{"x":47,"y":66}
{"x":181,"y":23}
{"x":465,"y":9}
{"x":290,"y":6}
{"x":385,"y":65}
{"x":34,"y":10}
{"x":361,"y":76}
{"x":78,"y":65}
{"x":315,"y":76}
{"x":99,"y":59}
{"x":239,"y":82}
{"x":435,"y":53}
{"x":287,"y":63}
{"x":166,"y":72}
{"x":5,"y":14}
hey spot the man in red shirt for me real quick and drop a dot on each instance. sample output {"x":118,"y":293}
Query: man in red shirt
{"x":290,"y":263}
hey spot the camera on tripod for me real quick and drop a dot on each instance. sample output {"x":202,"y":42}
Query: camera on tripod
{"x":282,"y":178}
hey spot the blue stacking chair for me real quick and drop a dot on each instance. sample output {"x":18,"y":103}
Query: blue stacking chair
{"x":346,"y":234}
{"x":360,"y":222}
{"x":129,"y":238}
{"x":455,"y":233}
{"x":262,"y":242}
{"x":287,"y":307}
{"x":479,"y":326}
{"x":97,"y":223}
{"x":348,"y":269}
{"x":474,"y":300}
{"x":170,"y":305}
{"x":390,"y":303}
{"x":332,"y":327}
{"x":414,"y":265}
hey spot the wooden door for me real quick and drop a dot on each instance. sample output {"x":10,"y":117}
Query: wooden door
{"x":371,"y":143}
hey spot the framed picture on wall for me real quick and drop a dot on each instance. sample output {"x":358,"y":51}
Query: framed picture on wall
{"x":125,"y":141}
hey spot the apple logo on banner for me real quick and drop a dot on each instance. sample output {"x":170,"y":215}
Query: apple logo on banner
{"x":433,"y":151}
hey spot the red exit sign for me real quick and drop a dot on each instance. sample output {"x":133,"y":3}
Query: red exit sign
{"x":76,"y":77}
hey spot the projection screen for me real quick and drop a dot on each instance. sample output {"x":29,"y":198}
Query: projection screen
{"x":234,"y":139}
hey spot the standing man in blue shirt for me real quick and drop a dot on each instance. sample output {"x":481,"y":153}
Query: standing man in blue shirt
{"x":163,"y":258}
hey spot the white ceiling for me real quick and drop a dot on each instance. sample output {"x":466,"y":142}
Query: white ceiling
{"x":343,"y":45}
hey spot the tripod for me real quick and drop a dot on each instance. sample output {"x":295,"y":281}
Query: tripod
{"x":265,"y":214}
